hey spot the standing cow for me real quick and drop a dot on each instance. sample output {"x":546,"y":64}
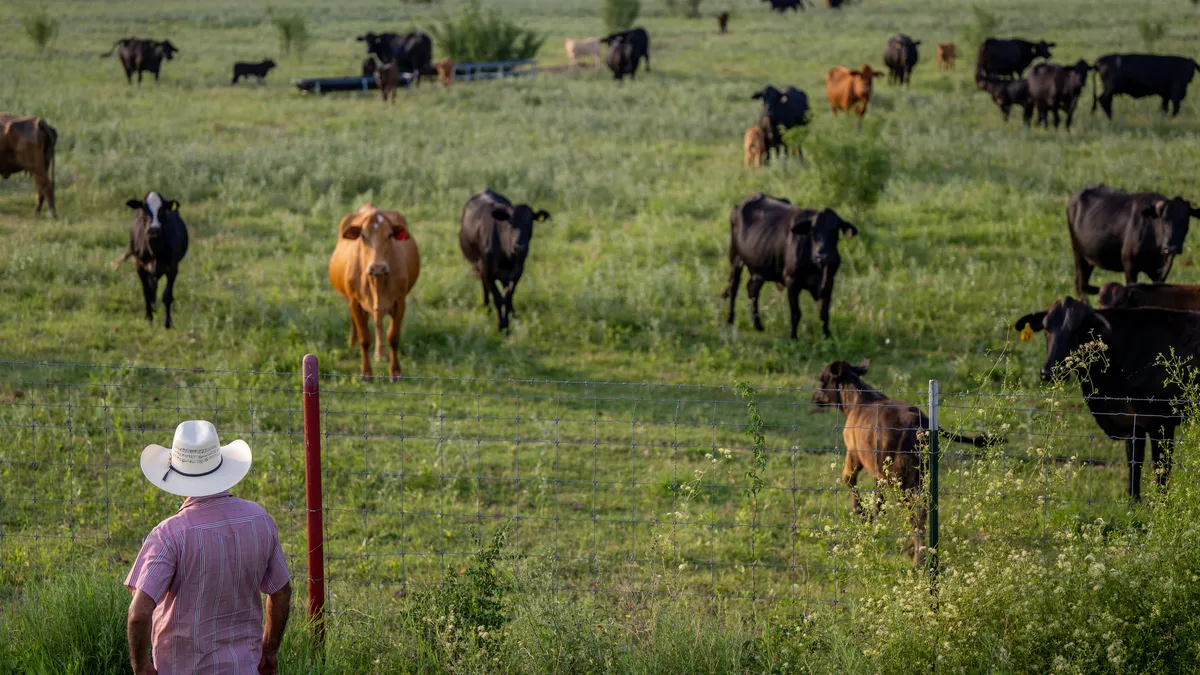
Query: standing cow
{"x":387,"y":78}
{"x":158,"y":241}
{"x":1007,"y":93}
{"x":781,"y":111}
{"x":1009,"y":58}
{"x":1140,"y":75}
{"x":1122,"y":232}
{"x":588,"y":47}
{"x":850,"y":90}
{"x":626,"y":50}
{"x":412,"y":53}
{"x":947,"y":55}
{"x":1054,"y":88}
{"x":28,"y":144}
{"x":139,"y":55}
{"x":900,"y":57}
{"x":374,"y":267}
{"x":786,"y":244}
{"x":494,"y":237}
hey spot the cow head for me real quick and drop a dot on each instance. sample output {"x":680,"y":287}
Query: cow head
{"x":167,"y":49}
{"x":769,"y":95}
{"x":1042,"y":49}
{"x":1113,"y":294}
{"x":376,"y":232}
{"x":821,"y":230}
{"x":1169,"y":219}
{"x":269,"y":64}
{"x":834,"y":377}
{"x":520,"y":218}
{"x":153,"y":209}
{"x":1068,"y":324}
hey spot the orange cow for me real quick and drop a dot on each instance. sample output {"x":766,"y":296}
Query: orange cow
{"x":850,"y":89}
{"x":374,"y":267}
{"x":755,"y":146}
{"x":947,"y":54}
{"x":445,"y":70}
{"x":28,"y":144}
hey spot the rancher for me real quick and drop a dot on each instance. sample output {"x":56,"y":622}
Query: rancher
{"x":197,"y":578}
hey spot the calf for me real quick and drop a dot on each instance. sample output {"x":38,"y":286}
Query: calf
{"x":387,"y":77}
{"x":850,"y":89}
{"x":781,"y":110}
{"x":589,"y":47}
{"x":900,"y":56}
{"x":723,"y":22}
{"x":258,"y":70}
{"x":28,"y":144}
{"x":1006,"y":94}
{"x":494,"y":237}
{"x":140,"y":56}
{"x":445,"y":70}
{"x":1009,"y":58}
{"x":369,"y":66}
{"x":634,"y":46}
{"x":412,"y":52}
{"x":947,"y":55}
{"x":1053,"y":88}
{"x":1130,"y":391}
{"x":755,"y":146}
{"x":158,"y":241}
{"x":1140,"y":75}
{"x":883,"y":436}
{"x":1122,"y":232}
{"x":374,"y":266}
{"x":786,"y":244}
{"x":1164,"y":296}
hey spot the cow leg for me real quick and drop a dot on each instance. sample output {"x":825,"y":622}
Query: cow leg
{"x":169,"y":293}
{"x":353,"y":331}
{"x":45,"y":192}
{"x":735,"y":280}
{"x":1027,"y":115}
{"x":823,"y":303}
{"x":358,"y":316}
{"x":393,"y":337}
{"x":129,"y":76}
{"x":485,"y":293}
{"x":149,"y":290}
{"x":1135,"y":454}
{"x":1056,"y":119}
{"x":1106,"y":99}
{"x":793,"y":296}
{"x":850,"y":480}
{"x":509,"y":290}
{"x":1083,"y":273}
{"x":498,"y":300}
{"x":1166,"y":103}
{"x":139,"y":78}
{"x":378,"y":319}
{"x":753,"y":288}
{"x":1161,"y":451}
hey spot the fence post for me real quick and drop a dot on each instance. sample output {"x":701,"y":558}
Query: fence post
{"x":312,"y":496}
{"x":933,"y":478}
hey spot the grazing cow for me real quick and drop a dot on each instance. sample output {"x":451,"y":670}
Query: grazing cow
{"x":494,"y":237}
{"x":445,"y":70}
{"x":723,"y":22}
{"x":1122,"y":232}
{"x":258,"y":70}
{"x":850,"y":89}
{"x":900,"y":57}
{"x":638,"y":39}
{"x":1007,"y":93}
{"x":387,"y":77}
{"x":139,"y":55}
{"x":374,"y":267}
{"x":786,"y":244}
{"x":782,"y":110}
{"x":158,"y":241}
{"x":589,"y":47}
{"x":28,"y":144}
{"x":782,"y":6}
{"x":881,"y":436}
{"x":1053,"y":88}
{"x":412,"y":53}
{"x":1009,"y":58}
{"x":1185,"y":298}
{"x":1140,"y":75}
{"x":1130,"y":391}
{"x":947,"y":55}
{"x":755,"y":147}
{"x":369,"y":66}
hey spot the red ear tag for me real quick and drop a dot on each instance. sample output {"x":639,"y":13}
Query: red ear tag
{"x":402,"y":235}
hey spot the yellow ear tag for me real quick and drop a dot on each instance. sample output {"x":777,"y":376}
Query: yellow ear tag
{"x":1027,"y":333}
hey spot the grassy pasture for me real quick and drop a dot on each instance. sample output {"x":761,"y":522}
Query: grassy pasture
{"x":622,"y":285}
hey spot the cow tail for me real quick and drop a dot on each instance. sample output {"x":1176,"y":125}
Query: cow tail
{"x":114,"y":48}
{"x":979,"y":441}
{"x":49,"y":143}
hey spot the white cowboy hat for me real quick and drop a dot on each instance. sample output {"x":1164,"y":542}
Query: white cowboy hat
{"x":196,"y":464}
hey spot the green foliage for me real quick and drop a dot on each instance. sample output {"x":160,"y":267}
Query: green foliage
{"x":41,"y":29}
{"x":1150,"y":31}
{"x":620,"y":14}
{"x":483,"y":36}
{"x":982,"y":26}
{"x":689,"y":9}
{"x":72,"y":624}
{"x":293,"y":32}
{"x":852,"y":166}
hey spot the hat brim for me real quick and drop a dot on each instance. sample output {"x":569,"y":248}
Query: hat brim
{"x":235,"y":464}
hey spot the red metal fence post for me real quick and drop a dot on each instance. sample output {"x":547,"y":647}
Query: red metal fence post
{"x":312,"y":496}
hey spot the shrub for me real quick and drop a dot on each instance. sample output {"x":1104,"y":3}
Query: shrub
{"x":1150,"y":31}
{"x":481,"y":36}
{"x":293,"y":32}
{"x":983,"y":25}
{"x":853,"y":168}
{"x":41,"y":28}
{"x":689,"y":9}
{"x":620,"y":14}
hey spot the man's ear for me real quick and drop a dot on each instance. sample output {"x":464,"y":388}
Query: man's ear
{"x":134,"y":204}
{"x":861,"y":366}
{"x":500,"y":214}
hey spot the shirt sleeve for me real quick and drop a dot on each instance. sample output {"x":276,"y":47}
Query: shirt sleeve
{"x":154,"y":567}
{"x":276,"y":576}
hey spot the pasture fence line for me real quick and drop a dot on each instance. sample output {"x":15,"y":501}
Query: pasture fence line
{"x":617,"y":491}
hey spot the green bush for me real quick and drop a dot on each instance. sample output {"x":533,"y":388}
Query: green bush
{"x":41,"y":28}
{"x":482,"y":36}
{"x":293,"y":33}
{"x":1150,"y":31}
{"x":689,"y":9}
{"x":620,"y":14}
{"x":852,"y":167}
{"x":983,"y":25}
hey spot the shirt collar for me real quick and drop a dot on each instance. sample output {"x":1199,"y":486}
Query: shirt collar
{"x":198,"y":501}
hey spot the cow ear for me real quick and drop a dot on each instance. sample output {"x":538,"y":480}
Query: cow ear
{"x":1029,"y":324}
{"x":352,"y":232}
{"x":757,"y":95}
{"x":1150,"y":211}
{"x":803,"y":223}
{"x":848,"y":229}
{"x":500,"y":214}
{"x":836,"y":370}
{"x":134,"y":204}
{"x":862,"y":366}
{"x":542,"y":216}
{"x":1195,"y":213}
{"x":916,"y":43}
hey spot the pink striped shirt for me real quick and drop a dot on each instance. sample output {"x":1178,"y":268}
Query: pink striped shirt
{"x":205,"y":567}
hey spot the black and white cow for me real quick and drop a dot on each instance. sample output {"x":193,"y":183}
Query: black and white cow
{"x":158,"y":241}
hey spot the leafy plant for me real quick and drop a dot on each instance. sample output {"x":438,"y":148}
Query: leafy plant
{"x":982,"y":26}
{"x":689,"y":9}
{"x":41,"y":28}
{"x":293,"y":32}
{"x":481,"y":36}
{"x":620,"y":14}
{"x":1150,"y":31}
{"x":853,"y":169}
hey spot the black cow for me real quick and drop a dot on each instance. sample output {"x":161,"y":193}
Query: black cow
{"x":1139,"y":75}
{"x":786,"y":244}
{"x":258,"y":70}
{"x":494,"y":238}
{"x":1129,"y":392}
{"x":158,"y":240}
{"x":782,"y":110}
{"x":1006,"y":94}
{"x":139,"y":56}
{"x":1009,"y":58}
{"x":634,"y":46}
{"x":412,"y":52}
{"x":900,"y":57}
{"x":1053,"y":88}
{"x":1131,"y":233}
{"x":782,"y":6}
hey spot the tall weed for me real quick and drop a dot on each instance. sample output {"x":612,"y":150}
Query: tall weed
{"x":293,"y":33}
{"x":479,"y":36}
{"x":852,"y":167}
{"x":689,"y":9}
{"x":41,"y":29}
{"x":982,"y":26}
{"x":619,"y":15}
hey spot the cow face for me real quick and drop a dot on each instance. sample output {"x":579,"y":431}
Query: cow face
{"x":376,"y":232}
{"x":167,"y":49}
{"x":1042,"y":49}
{"x":1068,"y":324}
{"x":516,"y":237}
{"x":1169,"y":220}
{"x":821,"y":231}
{"x":268,"y":64}
{"x":770,"y":96}
{"x":835,"y":376}
{"x":154,"y":209}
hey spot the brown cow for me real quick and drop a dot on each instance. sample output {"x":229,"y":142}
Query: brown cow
{"x":1165,"y":296}
{"x":947,"y":54}
{"x":850,"y":89}
{"x":387,"y":76}
{"x":881,"y":436}
{"x":756,"y":147}
{"x":445,"y":70}
{"x":27,"y":144}
{"x":374,"y":266}
{"x":723,"y":22}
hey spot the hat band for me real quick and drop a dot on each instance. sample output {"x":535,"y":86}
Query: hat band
{"x":171,"y":467}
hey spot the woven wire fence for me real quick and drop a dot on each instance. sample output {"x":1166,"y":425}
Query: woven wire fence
{"x":612,"y":490}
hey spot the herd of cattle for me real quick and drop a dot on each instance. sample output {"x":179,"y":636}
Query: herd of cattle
{"x":375,"y":263}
